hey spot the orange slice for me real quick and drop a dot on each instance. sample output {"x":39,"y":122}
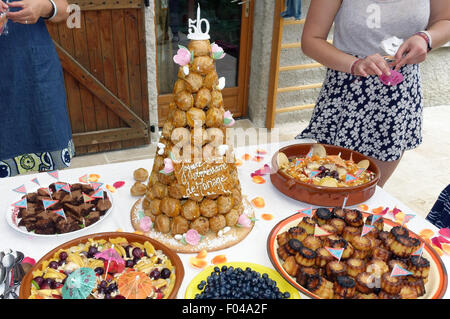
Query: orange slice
{"x":197,"y":263}
{"x":238,"y":162}
{"x":112,"y":189}
{"x":446,"y":248}
{"x":246,"y":157}
{"x":267,"y":216}
{"x":219,"y":259}
{"x":377,"y":210}
{"x":202,"y":254}
{"x":258,"y":202}
{"x":426,"y":233}
{"x":94,"y":177}
{"x":363,"y":207}
{"x":258,"y":179}
{"x":438,"y":250}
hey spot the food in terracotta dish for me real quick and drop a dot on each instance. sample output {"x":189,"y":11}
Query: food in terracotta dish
{"x":364,"y":270}
{"x":318,"y":168}
{"x":135,"y":270}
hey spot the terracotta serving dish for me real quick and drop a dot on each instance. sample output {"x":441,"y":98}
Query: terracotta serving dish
{"x":25,"y":287}
{"x":322,"y":195}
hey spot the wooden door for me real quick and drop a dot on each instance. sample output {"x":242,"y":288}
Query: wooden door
{"x":105,"y":72}
{"x":235,"y":96}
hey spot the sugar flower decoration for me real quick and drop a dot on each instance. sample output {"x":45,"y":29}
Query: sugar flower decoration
{"x":244,"y":221}
{"x":221,"y":84}
{"x":183,"y":56}
{"x":168,"y":166}
{"x":145,"y":224}
{"x":217,"y":52}
{"x":192,"y":237}
{"x":228,"y":120}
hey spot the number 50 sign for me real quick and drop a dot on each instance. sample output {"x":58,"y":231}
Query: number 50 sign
{"x":195,"y":28}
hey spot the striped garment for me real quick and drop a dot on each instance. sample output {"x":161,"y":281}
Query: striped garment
{"x":439,"y":215}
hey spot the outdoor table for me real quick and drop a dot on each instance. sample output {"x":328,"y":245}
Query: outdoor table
{"x":252,"y":249}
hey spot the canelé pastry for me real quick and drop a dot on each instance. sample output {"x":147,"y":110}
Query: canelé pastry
{"x":305,"y":257}
{"x":349,"y":232}
{"x":401,"y":246}
{"x":337,"y":223}
{"x":408,"y":292}
{"x":282,"y":238}
{"x":355,"y":266}
{"x":283,"y":254}
{"x":298,"y":233}
{"x":416,"y":284}
{"x":329,"y":229}
{"x":377,"y":267}
{"x":291,"y":266}
{"x":381,"y":253}
{"x":308,"y":224}
{"x":345,"y":286}
{"x":338,"y":212}
{"x":391,"y":285}
{"x":365,"y":283}
{"x":366,"y":296}
{"x":293,"y":246}
{"x":420,"y":267}
{"x":320,"y":287}
{"x":334,"y":269}
{"x":323,"y":215}
{"x":312,"y":242}
{"x":323,"y":257}
{"x":379,"y":223}
{"x":306,"y":273}
{"x":354,"y":218}
{"x":391,"y":263}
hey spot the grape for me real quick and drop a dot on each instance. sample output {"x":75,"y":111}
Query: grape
{"x":53,"y":264}
{"x":137,"y":252}
{"x":39,"y":280}
{"x":92,"y":251}
{"x":165,"y":273}
{"x":99,"y":271}
{"x":63,"y":256}
{"x":129,"y":263}
{"x":155,"y":274}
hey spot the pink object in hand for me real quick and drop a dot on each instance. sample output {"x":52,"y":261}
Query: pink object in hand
{"x":392,"y":80}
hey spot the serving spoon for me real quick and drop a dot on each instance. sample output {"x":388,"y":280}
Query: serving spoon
{"x":8,"y":262}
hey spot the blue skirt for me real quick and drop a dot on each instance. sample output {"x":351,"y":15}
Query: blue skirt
{"x":367,"y":116}
{"x":35,"y":131}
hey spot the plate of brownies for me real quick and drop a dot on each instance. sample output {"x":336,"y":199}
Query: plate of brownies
{"x":61,"y":208}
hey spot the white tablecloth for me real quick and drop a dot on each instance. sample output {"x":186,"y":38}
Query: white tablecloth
{"x":251,"y":249}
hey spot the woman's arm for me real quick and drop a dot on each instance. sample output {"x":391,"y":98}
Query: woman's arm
{"x":414,"y":50}
{"x":31,"y":10}
{"x":320,"y":18}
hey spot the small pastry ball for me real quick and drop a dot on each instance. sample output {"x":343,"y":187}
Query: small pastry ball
{"x":153,"y":178}
{"x":195,"y":117}
{"x":158,"y":163}
{"x":190,"y":210}
{"x":159,"y":190}
{"x":237,"y":196}
{"x":176,"y":190}
{"x":211,"y":80}
{"x":166,"y":179}
{"x":200,"y":47}
{"x":140,"y":175}
{"x":179,"y":118}
{"x":162,"y":224}
{"x":203,"y":98}
{"x":214,"y":117}
{"x":194,"y":82}
{"x":170,"y":206}
{"x":224,"y":204}
{"x":203,"y":65}
{"x":179,"y":86}
{"x":208,"y":208}
{"x":154,"y":207}
{"x":232,"y":217}
{"x":180,"y":136}
{"x":138,"y":189}
{"x":184,"y":100}
{"x":201,"y":225}
{"x":216,"y":99}
{"x":179,"y":225}
{"x":217,"y":223}
{"x":167,"y":129}
{"x":146,"y":202}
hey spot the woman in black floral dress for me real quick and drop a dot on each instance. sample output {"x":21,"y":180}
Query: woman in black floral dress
{"x":355,"y":109}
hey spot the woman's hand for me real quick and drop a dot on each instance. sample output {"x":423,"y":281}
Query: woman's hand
{"x":30,"y":11}
{"x":373,"y":64}
{"x":412,"y":51}
{"x":3,"y":6}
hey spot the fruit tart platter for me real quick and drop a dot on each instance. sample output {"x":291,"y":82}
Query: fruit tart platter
{"x":346,"y":254}
{"x":61,"y":208}
{"x":106,"y":266}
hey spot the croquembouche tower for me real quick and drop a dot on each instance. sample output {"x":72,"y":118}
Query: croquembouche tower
{"x":193,"y":195}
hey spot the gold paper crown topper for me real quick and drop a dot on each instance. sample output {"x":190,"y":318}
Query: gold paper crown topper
{"x":195,"y":28}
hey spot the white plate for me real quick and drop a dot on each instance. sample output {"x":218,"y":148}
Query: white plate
{"x":13,"y":221}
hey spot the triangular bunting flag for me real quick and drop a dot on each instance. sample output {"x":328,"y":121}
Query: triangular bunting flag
{"x":335,"y":252}
{"x":314,"y":173}
{"x":96,"y":185}
{"x":47,"y":190}
{"x":318,"y":231}
{"x":54,"y":174}
{"x":36,"y":181}
{"x":419,"y":251}
{"x":349,"y":178}
{"x":87,"y":198}
{"x":83,"y":179}
{"x":310,"y":153}
{"x":375,"y":218}
{"x":359,"y":172}
{"x":407,"y":218}
{"x":48,"y":203}
{"x":60,"y":213}
{"x":20,"y":189}
{"x":306,"y":211}
{"x":98,"y":194}
{"x":366,"y":229}
{"x":66,"y":188}
{"x":21,"y":203}
{"x":298,"y":161}
{"x":399,"y":271}
{"x":58,"y":186}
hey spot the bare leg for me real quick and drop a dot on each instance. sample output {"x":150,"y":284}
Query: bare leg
{"x":386,"y":169}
